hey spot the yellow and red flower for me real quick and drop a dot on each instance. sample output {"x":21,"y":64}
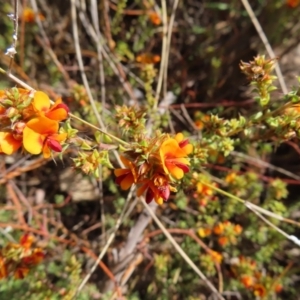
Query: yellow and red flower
{"x":184,"y":143}
{"x":157,"y":188}
{"x":34,"y":258}
{"x":293,"y":3}
{"x":154,"y":166}
{"x":42,"y":105}
{"x":216,"y":256}
{"x":41,"y":135}
{"x":219,"y":229}
{"x":172,"y":155}
{"x":259,"y":290}
{"x":278,"y":288}
{"x":154,"y":18}
{"x":247,"y":280}
{"x":26,"y":240}
{"x":148,"y":58}
{"x":29,"y":16}
{"x":21,"y":272}
{"x":223,"y":240}
{"x":8,"y":143}
{"x":3,"y":268}
{"x":128,"y":176}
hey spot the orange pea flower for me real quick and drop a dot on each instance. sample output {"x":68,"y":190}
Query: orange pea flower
{"x":157,"y":188}
{"x":11,"y":141}
{"x":34,"y":258}
{"x":154,"y":18}
{"x":223,"y":241}
{"x":259,"y":290}
{"x":219,"y":228}
{"x":40,"y":135}
{"x":216,"y":256}
{"x":278,"y":288}
{"x":172,"y":155}
{"x":230,"y":178}
{"x":26,"y":240}
{"x":126,"y":177}
{"x":2,"y":110}
{"x":41,"y":103}
{"x":293,"y":3}
{"x":204,"y":232}
{"x":204,"y":190}
{"x":247,"y":281}
{"x":8,"y":144}
{"x":238,"y":229}
{"x":184,"y":143}
{"x":21,"y":272}
{"x":3,"y":268}
{"x":29,"y":16}
{"x":148,"y":58}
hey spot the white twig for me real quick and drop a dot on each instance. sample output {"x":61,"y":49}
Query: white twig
{"x":105,"y":51}
{"x":265,"y":164}
{"x":17,"y":80}
{"x":169,"y":37}
{"x":289,"y":237}
{"x":95,"y":19}
{"x":11,"y":52}
{"x":46,"y":42}
{"x":266,"y":43}
{"x":163,"y":52}
{"x":80,"y":63}
{"x":81,"y":67}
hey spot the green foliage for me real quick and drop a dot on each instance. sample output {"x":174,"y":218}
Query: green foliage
{"x":232,"y":245}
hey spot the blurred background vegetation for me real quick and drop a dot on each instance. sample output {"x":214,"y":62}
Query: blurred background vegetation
{"x":71,"y":214}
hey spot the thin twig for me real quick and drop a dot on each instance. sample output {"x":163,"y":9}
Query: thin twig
{"x":188,"y":118}
{"x":95,"y":19}
{"x":22,"y":36}
{"x":265,"y":164}
{"x":254,"y":206}
{"x":191,"y":233}
{"x":292,"y":238}
{"x":80,"y":63}
{"x":113,"y":63}
{"x":109,"y":241}
{"x":46,"y":43}
{"x":169,"y":37}
{"x":23,"y":199}
{"x":163,"y":52}
{"x":12,"y":50}
{"x":181,"y":252}
{"x":17,"y":80}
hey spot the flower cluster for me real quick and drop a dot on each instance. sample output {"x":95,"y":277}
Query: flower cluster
{"x":245,"y":270}
{"x":201,"y":119}
{"x":130,"y":120}
{"x":155,"y":167}
{"x":29,"y":120}
{"x":28,"y":15}
{"x":292,"y":3}
{"x":203,"y":193}
{"x":148,"y":58}
{"x":208,"y":261}
{"x":18,"y":259}
{"x":226,"y":232}
{"x":154,"y":18}
{"x":259,"y":72}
